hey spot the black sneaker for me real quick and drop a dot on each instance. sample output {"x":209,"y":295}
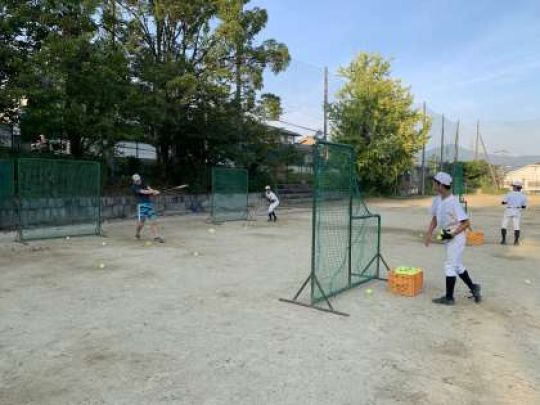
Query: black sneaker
{"x":444,"y":301}
{"x":476,"y":293}
{"x":159,"y":239}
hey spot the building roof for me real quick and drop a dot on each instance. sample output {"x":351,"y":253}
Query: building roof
{"x":307,"y":140}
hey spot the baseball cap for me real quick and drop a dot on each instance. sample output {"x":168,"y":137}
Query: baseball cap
{"x":443,"y":178}
{"x":267,"y":188}
{"x":517,"y":183}
{"x":136,"y":177}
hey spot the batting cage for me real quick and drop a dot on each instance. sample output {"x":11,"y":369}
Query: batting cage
{"x":346,"y":236}
{"x":57,"y":198}
{"x":229,"y":194}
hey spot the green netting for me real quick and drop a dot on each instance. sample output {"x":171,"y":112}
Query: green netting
{"x":7,"y":194}
{"x":58,"y":198}
{"x":229,"y":194}
{"x":346,"y":236}
{"x":458,"y":183}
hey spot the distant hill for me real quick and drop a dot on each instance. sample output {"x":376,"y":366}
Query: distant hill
{"x":466,"y":155}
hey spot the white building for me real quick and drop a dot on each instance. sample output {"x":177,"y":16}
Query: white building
{"x":529,"y":175}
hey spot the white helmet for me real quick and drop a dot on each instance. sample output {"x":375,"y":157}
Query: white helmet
{"x":136,"y":177}
{"x":267,"y":188}
{"x":517,"y":183}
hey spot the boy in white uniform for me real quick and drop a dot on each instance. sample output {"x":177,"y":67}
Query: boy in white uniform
{"x":274,"y":202}
{"x":515,"y":201}
{"x":448,"y":215}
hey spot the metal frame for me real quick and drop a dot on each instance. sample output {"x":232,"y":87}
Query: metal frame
{"x":312,"y":279}
{"x":20,"y":231}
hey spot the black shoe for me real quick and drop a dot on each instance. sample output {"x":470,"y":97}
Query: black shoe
{"x":275,"y":219}
{"x":503,"y":242}
{"x":444,"y":300}
{"x":159,"y":239}
{"x":476,"y":293}
{"x":137,"y":236}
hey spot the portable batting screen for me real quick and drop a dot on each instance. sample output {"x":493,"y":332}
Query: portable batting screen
{"x":58,"y":198}
{"x":346,"y":236}
{"x":7,"y":194}
{"x":229,"y":194}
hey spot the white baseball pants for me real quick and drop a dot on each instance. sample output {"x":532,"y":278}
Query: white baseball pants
{"x":453,"y":265}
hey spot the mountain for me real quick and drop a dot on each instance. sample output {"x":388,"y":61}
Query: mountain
{"x":506,"y":160}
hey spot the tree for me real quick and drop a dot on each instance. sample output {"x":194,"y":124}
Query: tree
{"x":374,"y":112}
{"x":476,"y":173}
{"x":199,"y":69}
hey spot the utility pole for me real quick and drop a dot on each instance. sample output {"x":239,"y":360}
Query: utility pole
{"x":456,"y":144}
{"x":477,"y":140}
{"x":325,"y":107}
{"x":442,"y":145}
{"x":491,"y":171}
{"x":423,"y":184}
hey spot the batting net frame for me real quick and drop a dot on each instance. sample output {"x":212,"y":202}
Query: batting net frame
{"x":57,"y":198}
{"x":230,"y":194}
{"x":346,"y":235}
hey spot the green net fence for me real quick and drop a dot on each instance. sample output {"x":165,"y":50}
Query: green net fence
{"x":7,"y":194}
{"x":229,"y":194}
{"x":58,"y":198}
{"x":346,"y":235}
{"x":458,"y":183}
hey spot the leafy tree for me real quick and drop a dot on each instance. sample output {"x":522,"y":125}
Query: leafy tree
{"x":476,"y":173}
{"x":374,"y":112}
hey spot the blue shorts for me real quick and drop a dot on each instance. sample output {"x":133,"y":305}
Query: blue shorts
{"x":146,"y":211}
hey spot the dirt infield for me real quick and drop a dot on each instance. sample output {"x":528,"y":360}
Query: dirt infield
{"x":162,"y":325}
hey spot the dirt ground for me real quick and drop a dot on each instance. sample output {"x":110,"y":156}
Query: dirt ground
{"x":161,"y":325}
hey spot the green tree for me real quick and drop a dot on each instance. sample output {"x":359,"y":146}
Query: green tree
{"x":199,"y":68}
{"x":374,"y":112}
{"x":476,"y":173}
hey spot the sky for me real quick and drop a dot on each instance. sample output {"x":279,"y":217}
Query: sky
{"x":471,"y":60}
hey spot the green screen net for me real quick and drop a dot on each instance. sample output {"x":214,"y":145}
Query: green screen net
{"x":229,"y":194}
{"x":7,"y":194}
{"x":346,"y":236}
{"x":58,"y":198}
{"x":458,"y":183}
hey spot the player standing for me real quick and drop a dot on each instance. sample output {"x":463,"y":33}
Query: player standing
{"x":448,"y":215}
{"x":515,"y":201}
{"x":274,"y":202}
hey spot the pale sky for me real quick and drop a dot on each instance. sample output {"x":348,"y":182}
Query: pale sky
{"x":468,"y":59}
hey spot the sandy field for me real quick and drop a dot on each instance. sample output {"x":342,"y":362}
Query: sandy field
{"x":162,"y":325}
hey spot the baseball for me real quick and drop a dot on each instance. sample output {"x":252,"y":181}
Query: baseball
{"x":528,"y":281}
{"x":195,"y":253}
{"x":102,"y":265}
{"x":212,"y":230}
{"x":148,"y":243}
{"x":67,"y":237}
{"x":103,"y":243}
{"x":369,"y":291}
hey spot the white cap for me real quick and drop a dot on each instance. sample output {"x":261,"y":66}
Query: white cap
{"x":267,"y":188}
{"x":136,"y":177}
{"x":517,"y":183}
{"x":443,"y":178}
